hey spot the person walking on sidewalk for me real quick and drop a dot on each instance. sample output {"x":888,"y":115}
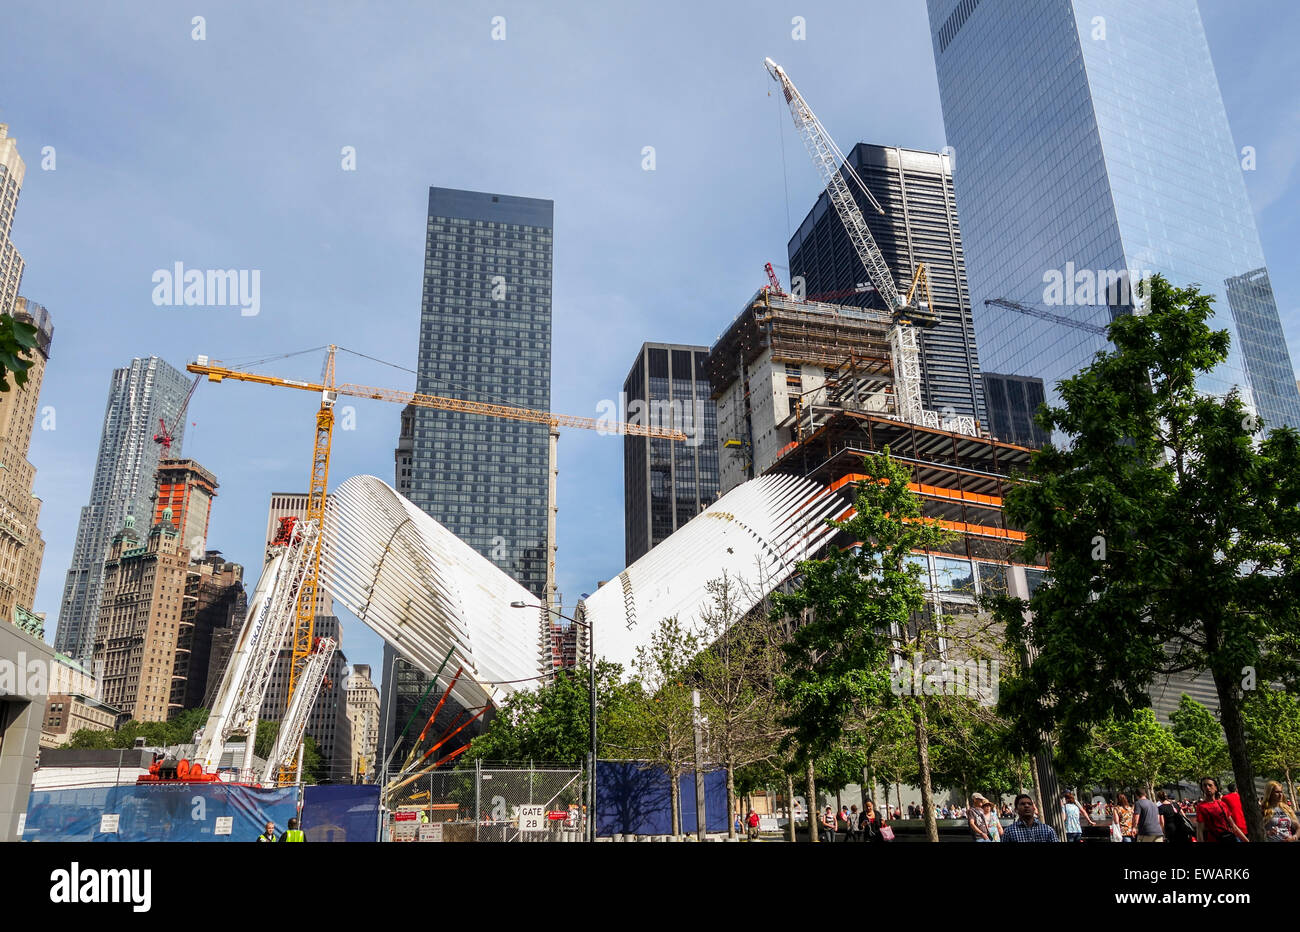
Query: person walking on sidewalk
{"x":753,"y":825}
{"x":1150,"y":823}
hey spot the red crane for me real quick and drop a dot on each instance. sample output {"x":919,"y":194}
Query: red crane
{"x":164,"y":436}
{"x":774,"y":283}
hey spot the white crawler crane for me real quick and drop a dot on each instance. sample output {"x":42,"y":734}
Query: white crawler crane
{"x":271,"y":614}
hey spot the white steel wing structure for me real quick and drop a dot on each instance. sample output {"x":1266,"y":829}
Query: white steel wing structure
{"x":756,"y":534}
{"x":427,"y":592}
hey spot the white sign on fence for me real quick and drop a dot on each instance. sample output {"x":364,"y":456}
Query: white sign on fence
{"x":108,"y":823}
{"x":225,"y":825}
{"x":532,"y":818}
{"x":430,"y":832}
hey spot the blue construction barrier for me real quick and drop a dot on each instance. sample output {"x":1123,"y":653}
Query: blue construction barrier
{"x":340,"y":813}
{"x":157,"y":812}
{"x":633,"y":798}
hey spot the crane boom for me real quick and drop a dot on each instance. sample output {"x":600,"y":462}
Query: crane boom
{"x":294,"y":723}
{"x":828,"y":158}
{"x":216,"y":373}
{"x":1046,"y":315}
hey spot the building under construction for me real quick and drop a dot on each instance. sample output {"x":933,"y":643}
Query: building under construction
{"x":782,"y":366}
{"x":807,"y":389}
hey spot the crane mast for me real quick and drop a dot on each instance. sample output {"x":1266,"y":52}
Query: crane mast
{"x":917,"y":306}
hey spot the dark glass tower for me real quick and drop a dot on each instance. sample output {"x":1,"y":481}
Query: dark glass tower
{"x":667,"y":482}
{"x":919,"y":225}
{"x":485,"y":335}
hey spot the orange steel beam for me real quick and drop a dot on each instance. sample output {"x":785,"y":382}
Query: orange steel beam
{"x":448,"y":737}
{"x":415,"y":748}
{"x":934,"y":491}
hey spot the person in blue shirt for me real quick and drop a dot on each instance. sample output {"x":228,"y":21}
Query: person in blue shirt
{"x":1027,"y":827}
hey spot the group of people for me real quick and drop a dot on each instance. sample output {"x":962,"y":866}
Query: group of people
{"x":1216,"y":817}
{"x":868,"y":825}
{"x":292,"y":833}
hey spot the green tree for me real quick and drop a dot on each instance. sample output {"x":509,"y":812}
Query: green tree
{"x":735,"y":682}
{"x":1273,"y":733}
{"x":552,"y":723}
{"x":848,"y":603}
{"x":1197,"y":730}
{"x":1172,"y":531}
{"x":664,"y":721}
{"x":1139,"y":751}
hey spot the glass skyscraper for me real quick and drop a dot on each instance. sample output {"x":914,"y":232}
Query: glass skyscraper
{"x":485,"y":335}
{"x":667,"y":482}
{"x":141,"y":395}
{"x":1091,"y":145}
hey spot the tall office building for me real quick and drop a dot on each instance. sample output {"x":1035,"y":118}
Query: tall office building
{"x":666,"y":482}
{"x":12,"y":172}
{"x":485,"y":335}
{"x":139,"y":396}
{"x":21,"y":546}
{"x":1092,"y":147}
{"x":919,"y":225}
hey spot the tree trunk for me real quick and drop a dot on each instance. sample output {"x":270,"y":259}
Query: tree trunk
{"x":677,"y":802}
{"x":1290,"y":786}
{"x":813,"y":808}
{"x":789,"y":804}
{"x":1243,"y":771}
{"x":862,"y":789}
{"x":731,"y":795}
{"x":923,"y":757}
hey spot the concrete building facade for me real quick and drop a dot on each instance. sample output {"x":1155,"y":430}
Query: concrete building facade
{"x":12,"y":172}
{"x":26,"y":664}
{"x":138,"y":629}
{"x":22,"y":548}
{"x":363,"y":717}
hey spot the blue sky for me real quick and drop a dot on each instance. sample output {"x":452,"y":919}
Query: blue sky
{"x":226,"y":152}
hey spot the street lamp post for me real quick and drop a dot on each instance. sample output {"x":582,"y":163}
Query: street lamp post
{"x":591,"y":695}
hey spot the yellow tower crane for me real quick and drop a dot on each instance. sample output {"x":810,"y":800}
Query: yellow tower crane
{"x":329,"y":391}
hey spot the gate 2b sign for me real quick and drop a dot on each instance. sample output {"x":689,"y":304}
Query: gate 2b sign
{"x":532,"y":818}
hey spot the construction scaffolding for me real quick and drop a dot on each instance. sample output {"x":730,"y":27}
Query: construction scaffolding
{"x":799,"y":332}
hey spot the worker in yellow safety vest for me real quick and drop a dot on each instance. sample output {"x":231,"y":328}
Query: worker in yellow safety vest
{"x":293,"y":833}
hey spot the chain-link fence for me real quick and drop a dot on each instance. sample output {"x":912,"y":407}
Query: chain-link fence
{"x":495,"y":802}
